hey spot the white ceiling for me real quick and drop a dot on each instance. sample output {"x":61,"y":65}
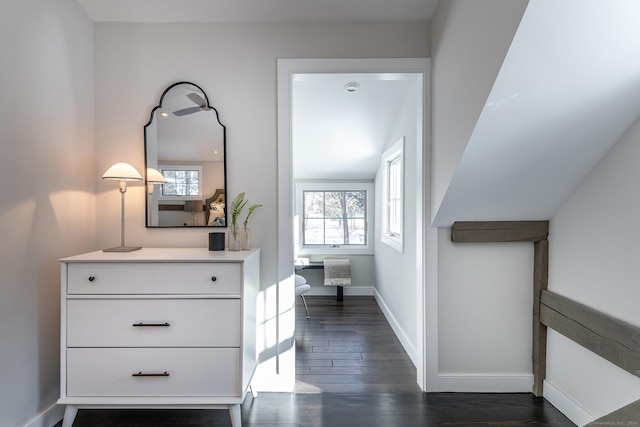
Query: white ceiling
{"x":341,"y":135}
{"x":258,"y":10}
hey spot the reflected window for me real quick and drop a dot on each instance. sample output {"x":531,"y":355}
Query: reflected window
{"x":182,"y":181}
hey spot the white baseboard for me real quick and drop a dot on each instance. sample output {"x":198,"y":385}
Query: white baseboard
{"x":49,"y":417}
{"x":347,"y":290}
{"x":481,"y":383}
{"x":409,"y":347}
{"x":563,"y":403}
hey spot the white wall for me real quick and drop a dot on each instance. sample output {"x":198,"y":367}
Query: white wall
{"x":594,"y":260}
{"x":396,"y":273}
{"x":47,"y":186}
{"x":484,"y":290}
{"x":485,"y":308}
{"x":236,"y":66}
{"x":469,"y":41}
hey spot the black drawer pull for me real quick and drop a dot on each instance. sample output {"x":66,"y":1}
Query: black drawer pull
{"x":151,"y":324}
{"x":214,"y":278}
{"x":140,"y":374}
{"x":92,"y":278}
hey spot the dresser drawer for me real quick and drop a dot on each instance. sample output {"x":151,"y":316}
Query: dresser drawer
{"x":153,"y":372}
{"x":153,"y":323}
{"x":154,"y":278}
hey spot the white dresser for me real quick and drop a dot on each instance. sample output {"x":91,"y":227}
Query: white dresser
{"x":159,"y":327}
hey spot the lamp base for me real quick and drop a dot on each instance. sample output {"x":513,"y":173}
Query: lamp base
{"x":123,"y":249}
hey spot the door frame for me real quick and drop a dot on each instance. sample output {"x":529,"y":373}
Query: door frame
{"x":426,"y":264}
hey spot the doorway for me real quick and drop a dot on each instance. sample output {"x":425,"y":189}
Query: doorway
{"x":421,"y":342}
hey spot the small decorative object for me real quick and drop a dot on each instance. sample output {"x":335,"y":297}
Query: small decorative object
{"x":245,"y":234}
{"x":216,"y":241}
{"x":237,"y":205}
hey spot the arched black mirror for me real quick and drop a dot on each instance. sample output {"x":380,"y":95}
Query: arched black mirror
{"x":185,"y":159}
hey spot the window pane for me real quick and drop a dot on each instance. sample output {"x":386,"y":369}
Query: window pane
{"x":169,"y":188}
{"x":181,"y":183}
{"x":313,"y":204}
{"x":357,"y":232}
{"x":356,"y":202}
{"x":394,"y":219}
{"x":395,"y":197}
{"x":192,"y":181}
{"x":313,"y":232}
{"x":334,"y":232}
{"x":334,"y":202}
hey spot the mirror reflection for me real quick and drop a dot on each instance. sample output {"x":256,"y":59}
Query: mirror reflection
{"x":185,"y":161}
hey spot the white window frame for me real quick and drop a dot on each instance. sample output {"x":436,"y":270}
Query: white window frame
{"x":395,"y":153}
{"x":367,"y":249}
{"x":178,"y":168}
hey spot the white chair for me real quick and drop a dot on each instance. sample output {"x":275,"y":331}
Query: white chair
{"x":302,"y":287}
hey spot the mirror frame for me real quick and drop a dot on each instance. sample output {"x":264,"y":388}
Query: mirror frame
{"x":224,"y":147}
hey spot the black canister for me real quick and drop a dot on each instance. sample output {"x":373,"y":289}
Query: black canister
{"x":216,"y":241}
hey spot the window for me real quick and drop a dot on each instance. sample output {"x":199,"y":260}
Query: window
{"x":334,"y":217}
{"x":183,"y":182}
{"x":393,"y":189}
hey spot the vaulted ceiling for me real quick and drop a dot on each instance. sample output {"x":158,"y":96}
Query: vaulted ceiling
{"x":339,"y":133}
{"x":568,"y":89}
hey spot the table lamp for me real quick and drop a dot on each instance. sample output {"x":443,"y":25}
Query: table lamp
{"x":154,"y":177}
{"x":122,"y":172}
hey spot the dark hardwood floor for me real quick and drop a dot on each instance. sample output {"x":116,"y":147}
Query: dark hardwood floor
{"x":348,"y":347}
{"x":351,"y":372}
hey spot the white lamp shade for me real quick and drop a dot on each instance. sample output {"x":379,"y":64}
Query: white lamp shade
{"x":155,"y":177}
{"x":122,"y":172}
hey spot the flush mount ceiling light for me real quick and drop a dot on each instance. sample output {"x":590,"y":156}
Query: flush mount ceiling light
{"x":351,"y":87}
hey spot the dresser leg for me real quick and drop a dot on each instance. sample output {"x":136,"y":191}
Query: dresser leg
{"x":234,"y":413}
{"x":70,"y":413}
